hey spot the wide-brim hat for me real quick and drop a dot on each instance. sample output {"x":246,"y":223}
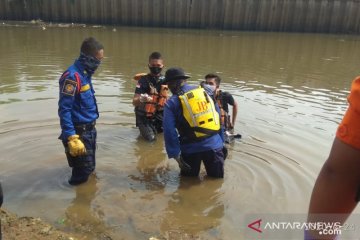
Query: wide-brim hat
{"x":175,"y":74}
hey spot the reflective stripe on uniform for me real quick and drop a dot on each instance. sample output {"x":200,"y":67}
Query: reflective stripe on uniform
{"x":85,"y":88}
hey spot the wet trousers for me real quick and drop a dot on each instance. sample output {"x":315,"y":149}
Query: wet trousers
{"x":213,"y":161}
{"x":149,"y":127}
{"x":82,"y":166}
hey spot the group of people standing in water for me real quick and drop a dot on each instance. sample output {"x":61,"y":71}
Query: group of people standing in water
{"x":195,"y":121}
{"x":193,"y":118}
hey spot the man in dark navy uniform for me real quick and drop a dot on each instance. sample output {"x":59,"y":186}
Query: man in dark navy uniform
{"x":192,"y":128}
{"x":78,"y":111}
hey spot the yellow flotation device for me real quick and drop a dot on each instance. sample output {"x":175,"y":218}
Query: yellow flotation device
{"x":200,"y":113}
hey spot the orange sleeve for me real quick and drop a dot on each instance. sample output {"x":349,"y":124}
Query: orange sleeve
{"x":349,"y":128}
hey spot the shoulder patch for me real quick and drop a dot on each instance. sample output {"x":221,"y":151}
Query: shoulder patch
{"x":69,"y":87}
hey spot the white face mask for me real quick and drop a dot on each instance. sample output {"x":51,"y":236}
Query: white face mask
{"x":211,"y":87}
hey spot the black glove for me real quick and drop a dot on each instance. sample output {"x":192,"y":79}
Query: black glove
{"x":182,"y":164}
{"x":225,"y":152}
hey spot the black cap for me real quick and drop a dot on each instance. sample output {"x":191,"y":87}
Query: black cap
{"x":175,"y":74}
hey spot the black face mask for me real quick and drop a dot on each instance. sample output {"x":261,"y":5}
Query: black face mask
{"x":155,"y":70}
{"x":175,"y":88}
{"x":89,"y":62}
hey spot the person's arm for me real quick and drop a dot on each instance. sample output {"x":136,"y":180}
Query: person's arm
{"x":139,"y":89}
{"x":229,"y":99}
{"x":136,"y":100}
{"x":68,"y":88}
{"x":140,"y":95}
{"x":234,"y":113}
{"x":337,"y":188}
{"x":172,"y":143}
{"x":222,"y":130}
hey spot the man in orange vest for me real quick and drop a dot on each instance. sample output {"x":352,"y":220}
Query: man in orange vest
{"x":149,"y":99}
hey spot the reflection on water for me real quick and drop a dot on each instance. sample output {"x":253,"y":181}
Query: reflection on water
{"x":82,"y":216}
{"x":194,"y":207}
{"x":291,"y":90}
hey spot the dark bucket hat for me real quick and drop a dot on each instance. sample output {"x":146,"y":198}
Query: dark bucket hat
{"x":175,"y":74}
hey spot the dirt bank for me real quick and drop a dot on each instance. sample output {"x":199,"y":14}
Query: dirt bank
{"x":29,"y":228}
{"x":23,"y":228}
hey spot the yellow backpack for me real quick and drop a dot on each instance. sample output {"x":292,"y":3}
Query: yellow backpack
{"x":200,"y":113}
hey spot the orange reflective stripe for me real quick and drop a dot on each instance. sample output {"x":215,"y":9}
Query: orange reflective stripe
{"x":78,"y":80}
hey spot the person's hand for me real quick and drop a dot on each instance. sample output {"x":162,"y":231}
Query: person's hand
{"x":145,"y":98}
{"x":182,"y":164}
{"x":76,"y":146}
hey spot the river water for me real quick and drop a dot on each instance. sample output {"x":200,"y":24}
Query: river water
{"x":291,"y":90}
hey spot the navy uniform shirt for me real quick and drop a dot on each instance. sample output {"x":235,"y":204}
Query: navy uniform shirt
{"x":77,"y":103}
{"x":172,"y":117}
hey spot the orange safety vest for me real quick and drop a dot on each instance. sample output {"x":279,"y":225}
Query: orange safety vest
{"x":224,"y":116}
{"x":158,"y":99}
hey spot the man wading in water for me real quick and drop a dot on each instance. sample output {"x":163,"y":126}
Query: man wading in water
{"x":78,"y":111}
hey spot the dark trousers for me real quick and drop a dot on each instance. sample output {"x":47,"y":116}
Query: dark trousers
{"x":82,"y":166}
{"x":147,"y":131}
{"x":213,"y":161}
{"x":149,"y":127}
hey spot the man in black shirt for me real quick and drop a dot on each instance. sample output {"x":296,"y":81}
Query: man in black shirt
{"x":149,"y":99}
{"x":224,"y":99}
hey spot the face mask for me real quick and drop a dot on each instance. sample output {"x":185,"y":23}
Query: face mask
{"x":155,"y":70}
{"x":89,"y":62}
{"x":175,"y":88}
{"x":211,"y":87}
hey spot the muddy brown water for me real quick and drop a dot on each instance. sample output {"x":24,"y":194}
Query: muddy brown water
{"x":291,"y":90}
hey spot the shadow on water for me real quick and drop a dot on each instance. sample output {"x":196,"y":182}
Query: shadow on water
{"x":194,"y":208}
{"x":85,"y":217}
{"x":152,"y":165}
